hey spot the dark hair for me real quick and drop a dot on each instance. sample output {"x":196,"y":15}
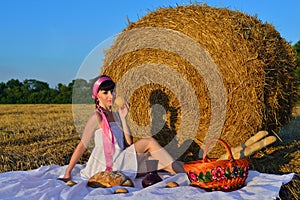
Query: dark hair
{"x":107,"y":85}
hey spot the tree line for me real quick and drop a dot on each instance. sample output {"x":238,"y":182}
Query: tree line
{"x":31,"y":91}
{"x":296,"y":49}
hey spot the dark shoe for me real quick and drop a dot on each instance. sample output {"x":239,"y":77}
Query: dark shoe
{"x":64,"y":179}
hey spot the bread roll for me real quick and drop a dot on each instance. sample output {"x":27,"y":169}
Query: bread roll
{"x":171,"y":184}
{"x":121,"y":190}
{"x":120,"y":101}
{"x":70,"y":183}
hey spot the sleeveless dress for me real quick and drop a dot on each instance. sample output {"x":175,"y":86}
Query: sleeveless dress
{"x":124,"y":160}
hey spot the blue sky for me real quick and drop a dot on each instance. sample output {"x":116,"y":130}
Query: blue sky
{"x":48,"y":40}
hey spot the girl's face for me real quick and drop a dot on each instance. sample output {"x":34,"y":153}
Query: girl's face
{"x":106,"y":98}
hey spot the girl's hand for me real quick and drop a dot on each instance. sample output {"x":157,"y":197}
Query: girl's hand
{"x":123,"y":111}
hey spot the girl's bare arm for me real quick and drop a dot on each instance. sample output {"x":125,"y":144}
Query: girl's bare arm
{"x":88,"y":132}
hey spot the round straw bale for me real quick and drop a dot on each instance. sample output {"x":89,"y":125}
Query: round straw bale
{"x":255,"y":63}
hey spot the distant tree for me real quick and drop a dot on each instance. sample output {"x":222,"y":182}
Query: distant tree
{"x":2,"y":94}
{"x":53,"y":93}
{"x":36,"y":91}
{"x":81,"y":93}
{"x":296,"y":48}
{"x":64,"y":94}
{"x":36,"y":86}
{"x":80,"y":83}
{"x":13,"y":91}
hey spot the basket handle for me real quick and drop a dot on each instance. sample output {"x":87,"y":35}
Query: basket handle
{"x":228,"y":149}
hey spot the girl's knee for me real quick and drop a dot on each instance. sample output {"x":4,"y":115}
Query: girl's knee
{"x":149,"y":143}
{"x":151,"y":140}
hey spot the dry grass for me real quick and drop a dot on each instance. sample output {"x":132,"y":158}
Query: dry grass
{"x":35,"y":135}
{"x":283,"y":157}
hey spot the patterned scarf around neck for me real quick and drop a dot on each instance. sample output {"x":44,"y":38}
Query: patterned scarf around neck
{"x":108,"y":140}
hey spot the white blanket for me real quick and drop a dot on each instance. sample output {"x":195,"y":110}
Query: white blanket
{"x":42,"y":183}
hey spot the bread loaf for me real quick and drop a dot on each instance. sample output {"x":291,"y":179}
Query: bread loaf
{"x":109,"y":179}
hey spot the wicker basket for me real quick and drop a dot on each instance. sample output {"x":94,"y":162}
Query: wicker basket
{"x":213,"y":174}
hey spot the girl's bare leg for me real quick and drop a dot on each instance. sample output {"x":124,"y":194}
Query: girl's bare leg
{"x":150,"y":145}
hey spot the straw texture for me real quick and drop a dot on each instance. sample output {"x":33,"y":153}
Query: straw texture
{"x":255,"y":63}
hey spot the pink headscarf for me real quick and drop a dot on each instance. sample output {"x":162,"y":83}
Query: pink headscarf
{"x":108,"y":137}
{"x":97,"y":84}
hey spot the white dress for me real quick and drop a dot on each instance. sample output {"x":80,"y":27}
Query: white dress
{"x":124,"y":160}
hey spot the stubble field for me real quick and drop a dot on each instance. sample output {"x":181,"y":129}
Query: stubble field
{"x":37,"y":135}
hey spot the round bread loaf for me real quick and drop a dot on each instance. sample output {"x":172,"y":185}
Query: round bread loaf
{"x":109,"y":179}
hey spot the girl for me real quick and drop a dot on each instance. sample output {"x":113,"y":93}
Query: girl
{"x":114,"y":148}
